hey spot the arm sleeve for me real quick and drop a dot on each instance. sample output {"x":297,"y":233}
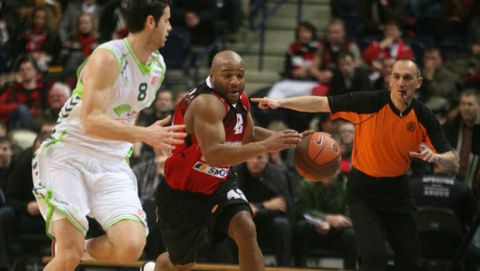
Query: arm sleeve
{"x":362,"y":102}
{"x":435,"y":136}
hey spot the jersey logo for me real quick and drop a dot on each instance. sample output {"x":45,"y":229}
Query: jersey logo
{"x":236,"y":194}
{"x":238,"y":129}
{"x":411,"y":126}
{"x":217,"y":172}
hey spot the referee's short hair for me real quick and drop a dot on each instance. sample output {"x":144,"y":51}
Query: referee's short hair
{"x":139,"y":10}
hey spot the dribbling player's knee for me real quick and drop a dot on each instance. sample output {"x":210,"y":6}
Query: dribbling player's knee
{"x":69,"y":259}
{"x":242,"y":228}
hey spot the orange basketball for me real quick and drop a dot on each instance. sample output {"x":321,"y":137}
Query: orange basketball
{"x":317,"y":156}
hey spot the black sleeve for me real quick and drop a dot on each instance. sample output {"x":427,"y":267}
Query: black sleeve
{"x":362,"y":102}
{"x":476,"y":140}
{"x":434,"y":129}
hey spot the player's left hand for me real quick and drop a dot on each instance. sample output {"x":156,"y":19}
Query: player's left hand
{"x":425,"y":153}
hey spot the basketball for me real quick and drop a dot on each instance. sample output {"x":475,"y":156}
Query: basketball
{"x":317,"y":157}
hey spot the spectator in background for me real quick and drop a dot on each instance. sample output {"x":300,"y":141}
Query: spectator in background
{"x":267,"y":188}
{"x":81,"y":43}
{"x":113,"y":20}
{"x":6,"y":212}
{"x":438,"y":82}
{"x":392,"y":45}
{"x":9,"y":24}
{"x":322,"y":210}
{"x":335,"y":43}
{"x":149,"y":174}
{"x":6,"y":165}
{"x":161,"y":108}
{"x":442,"y":189}
{"x":472,"y":78}
{"x":346,"y":131}
{"x":57,"y":96}
{"x":198,"y":17}
{"x":180,"y":95}
{"x":72,"y":12}
{"x":231,"y":11}
{"x":3,"y":130}
{"x":301,"y":73}
{"x":386,"y":69}
{"x":347,"y":78}
{"x":461,"y":132}
{"x":376,"y":15}
{"x":40,"y":39}
{"x":24,"y":98}
{"x":28,"y":219}
{"x":349,"y":12}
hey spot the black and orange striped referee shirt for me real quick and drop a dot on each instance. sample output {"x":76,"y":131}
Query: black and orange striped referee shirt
{"x":384,"y":136}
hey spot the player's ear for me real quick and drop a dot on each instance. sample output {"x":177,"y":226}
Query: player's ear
{"x":149,"y":22}
{"x":419,"y":82}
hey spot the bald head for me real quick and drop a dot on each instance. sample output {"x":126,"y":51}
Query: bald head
{"x":226,"y":58}
{"x":227,"y":75}
{"x":409,"y":64}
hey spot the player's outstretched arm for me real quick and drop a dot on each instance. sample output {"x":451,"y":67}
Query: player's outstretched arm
{"x":208,"y":113}
{"x":98,"y":82}
{"x":303,"y":103}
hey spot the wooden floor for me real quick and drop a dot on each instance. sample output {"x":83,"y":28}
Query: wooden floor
{"x":197,"y":267}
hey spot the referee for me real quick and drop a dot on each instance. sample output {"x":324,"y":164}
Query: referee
{"x":391,"y":127}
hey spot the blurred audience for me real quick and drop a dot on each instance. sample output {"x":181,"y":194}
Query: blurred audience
{"x":442,"y":189}
{"x":391,"y":45}
{"x":438,"y":82}
{"x":57,"y":96}
{"x":301,"y":73}
{"x":348,"y":78}
{"x":80,"y":43}
{"x":267,"y":188}
{"x":463,"y":133}
{"x":23,"y":98}
{"x":323,"y":220}
{"x":40,"y":39}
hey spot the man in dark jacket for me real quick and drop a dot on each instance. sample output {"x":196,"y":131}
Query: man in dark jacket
{"x":266,"y":187}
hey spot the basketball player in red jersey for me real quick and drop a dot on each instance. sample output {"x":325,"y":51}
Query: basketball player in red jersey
{"x":200,"y":192}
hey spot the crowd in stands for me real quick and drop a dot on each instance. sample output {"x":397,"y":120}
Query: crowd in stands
{"x":42,"y":43}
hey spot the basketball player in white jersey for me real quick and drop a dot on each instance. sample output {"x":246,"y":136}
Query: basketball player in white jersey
{"x":82,"y":169}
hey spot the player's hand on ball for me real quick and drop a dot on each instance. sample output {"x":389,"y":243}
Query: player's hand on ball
{"x":283,"y":140}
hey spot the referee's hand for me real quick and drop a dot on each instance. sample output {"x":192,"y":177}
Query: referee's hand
{"x":424,"y":153}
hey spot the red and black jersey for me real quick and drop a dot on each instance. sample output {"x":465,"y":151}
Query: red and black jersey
{"x":186,"y":169}
{"x":384,"y":136}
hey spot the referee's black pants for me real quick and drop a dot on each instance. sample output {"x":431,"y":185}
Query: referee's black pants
{"x":382,"y":211}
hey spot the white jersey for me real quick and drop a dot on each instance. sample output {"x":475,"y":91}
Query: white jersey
{"x":134,"y":90}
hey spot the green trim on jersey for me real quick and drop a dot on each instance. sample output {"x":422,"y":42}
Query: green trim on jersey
{"x":52,"y":141}
{"x":51,"y":208}
{"x":144,"y":69}
{"x":123,"y":108}
{"x":123,"y":217}
{"x":79,"y":89}
{"x":129,"y":154}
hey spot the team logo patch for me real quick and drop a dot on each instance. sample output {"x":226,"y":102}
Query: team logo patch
{"x":154,"y":80}
{"x":212,"y":171}
{"x":411,"y":126}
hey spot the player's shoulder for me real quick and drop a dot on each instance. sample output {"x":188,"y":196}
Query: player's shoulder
{"x":207,"y":104}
